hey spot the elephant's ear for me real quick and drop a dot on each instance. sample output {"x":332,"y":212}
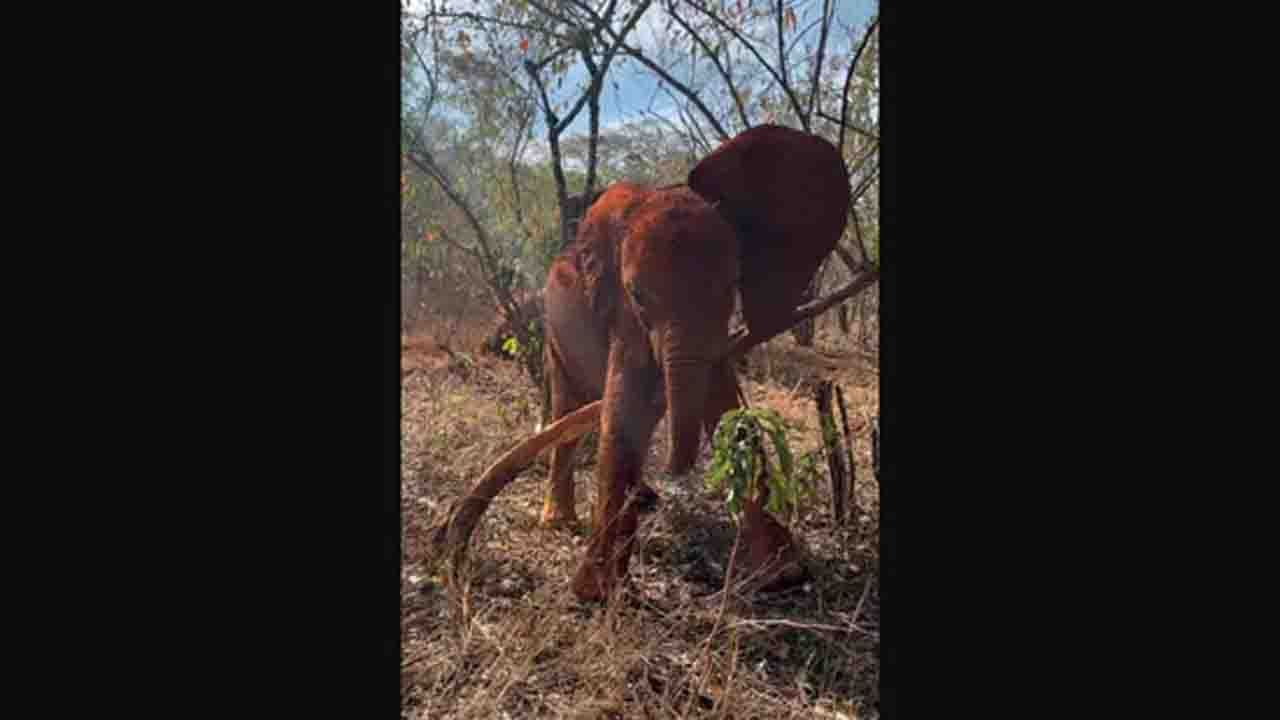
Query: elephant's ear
{"x":787,"y":194}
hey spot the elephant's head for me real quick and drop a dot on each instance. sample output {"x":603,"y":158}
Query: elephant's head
{"x":678,"y":274}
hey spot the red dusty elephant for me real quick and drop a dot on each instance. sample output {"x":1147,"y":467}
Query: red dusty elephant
{"x":637,"y":313}
{"x":638,"y":310}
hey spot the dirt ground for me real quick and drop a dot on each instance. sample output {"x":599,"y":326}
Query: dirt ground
{"x":513,"y":642}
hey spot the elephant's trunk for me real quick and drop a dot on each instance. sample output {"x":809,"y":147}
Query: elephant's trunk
{"x":686,"y":383}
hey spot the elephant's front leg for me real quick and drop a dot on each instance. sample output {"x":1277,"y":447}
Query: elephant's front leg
{"x":628,"y":419}
{"x":770,"y":558}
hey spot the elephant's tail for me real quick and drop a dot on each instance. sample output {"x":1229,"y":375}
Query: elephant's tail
{"x":453,"y":535}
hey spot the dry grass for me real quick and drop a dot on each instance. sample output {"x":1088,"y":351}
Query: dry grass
{"x":513,"y":642}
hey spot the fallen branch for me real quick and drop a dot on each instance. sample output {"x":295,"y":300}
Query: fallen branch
{"x":453,"y":534}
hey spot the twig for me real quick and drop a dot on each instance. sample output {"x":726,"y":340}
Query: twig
{"x":795,"y":102}
{"x":715,"y":627}
{"x":430,"y":651}
{"x":795,"y":390}
{"x":851,"y":126}
{"x":684,"y":89}
{"x":715,"y":60}
{"x":545,"y":10}
{"x":788,"y":623}
{"x":853,"y":621}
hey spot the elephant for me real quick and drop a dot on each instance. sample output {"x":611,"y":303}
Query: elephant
{"x":637,"y":310}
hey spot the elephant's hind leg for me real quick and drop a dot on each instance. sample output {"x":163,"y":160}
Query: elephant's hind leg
{"x":558,"y":506}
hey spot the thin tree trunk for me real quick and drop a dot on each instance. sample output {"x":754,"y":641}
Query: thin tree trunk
{"x":852,"y":491}
{"x":834,"y":451}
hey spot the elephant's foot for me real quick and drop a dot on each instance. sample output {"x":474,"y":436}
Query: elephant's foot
{"x":591,"y":583}
{"x":769,"y":557}
{"x":606,"y":560}
{"x":557,"y":507}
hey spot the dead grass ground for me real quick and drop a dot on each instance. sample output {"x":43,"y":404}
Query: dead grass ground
{"x":520,"y":645}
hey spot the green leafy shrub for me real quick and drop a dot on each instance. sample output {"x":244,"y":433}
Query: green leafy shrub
{"x":740,"y":460}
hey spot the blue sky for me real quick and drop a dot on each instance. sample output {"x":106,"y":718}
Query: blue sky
{"x":636,"y":84}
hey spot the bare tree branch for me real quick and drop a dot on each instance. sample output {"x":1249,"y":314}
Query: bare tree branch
{"x":593,"y":113}
{"x":489,"y":263}
{"x":517,"y":150}
{"x":743,"y":340}
{"x":828,"y":8}
{"x":482,"y":20}
{"x":866,"y":183}
{"x":857,"y":228}
{"x":853,"y":64}
{"x":870,"y":152}
{"x":539,"y":64}
{"x":590,"y":97}
{"x":786,"y":88}
{"x":684,"y":89}
{"x":431,"y":82}
{"x":546,"y":10}
{"x":715,"y":60}
{"x":782,"y":68}
{"x":620,"y":44}
{"x":692,"y":128}
{"x":851,"y":126}
{"x":602,"y":23}
{"x":553,"y":140}
{"x":847,"y":257}
{"x":597,"y":84}
{"x":791,"y":48}
{"x":675,"y":128}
